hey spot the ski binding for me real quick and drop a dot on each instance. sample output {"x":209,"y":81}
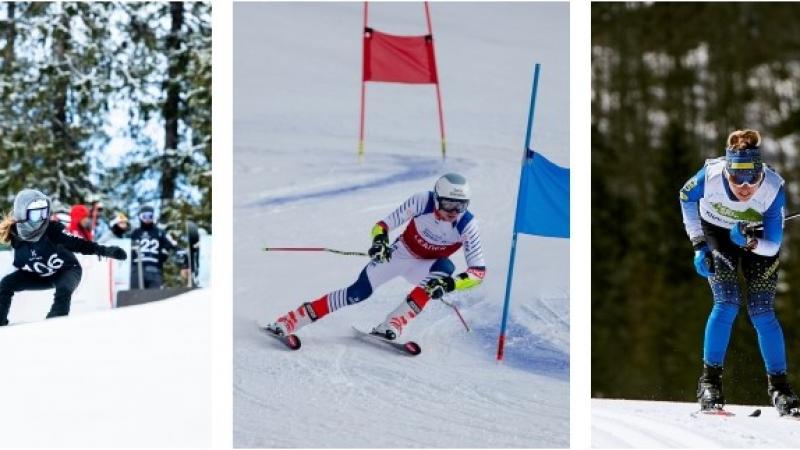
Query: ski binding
{"x":715,"y":410}
{"x":794,"y":414}
{"x":291,"y":341}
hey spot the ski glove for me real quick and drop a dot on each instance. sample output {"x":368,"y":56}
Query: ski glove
{"x":380,"y":251}
{"x":112,"y":252}
{"x":703,"y":261}
{"x":739,"y":236}
{"x":437,"y":287}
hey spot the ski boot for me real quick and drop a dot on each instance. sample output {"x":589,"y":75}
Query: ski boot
{"x":709,"y":389}
{"x":783,"y":398}
{"x":292,"y":321}
{"x":393,"y":325}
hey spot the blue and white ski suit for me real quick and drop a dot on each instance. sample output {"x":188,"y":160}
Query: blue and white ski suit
{"x":710,"y":211}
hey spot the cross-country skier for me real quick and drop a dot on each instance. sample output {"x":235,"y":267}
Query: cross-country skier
{"x":155,"y":245}
{"x":725,"y":197}
{"x":43,"y":254}
{"x":438,"y":225}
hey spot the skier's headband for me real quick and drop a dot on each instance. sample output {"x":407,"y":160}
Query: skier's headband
{"x":743,"y":159}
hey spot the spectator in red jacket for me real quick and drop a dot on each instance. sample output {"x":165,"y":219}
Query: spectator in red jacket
{"x":80,"y":223}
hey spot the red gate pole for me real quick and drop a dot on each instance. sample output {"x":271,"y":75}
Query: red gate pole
{"x":438,"y":91}
{"x":363,"y":87}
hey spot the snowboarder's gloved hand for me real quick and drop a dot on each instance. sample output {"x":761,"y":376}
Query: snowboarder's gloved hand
{"x":113,"y":252}
{"x":380,"y":251}
{"x":703,"y":260}
{"x":437,"y":287}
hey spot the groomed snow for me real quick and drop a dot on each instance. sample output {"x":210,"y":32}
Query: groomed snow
{"x":138,"y":376}
{"x":297,"y":182}
{"x":648,"y":424}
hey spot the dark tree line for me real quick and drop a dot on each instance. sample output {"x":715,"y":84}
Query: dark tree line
{"x":669,"y":82}
{"x":65,"y":67}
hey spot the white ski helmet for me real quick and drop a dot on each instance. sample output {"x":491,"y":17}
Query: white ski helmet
{"x":452,"y":192}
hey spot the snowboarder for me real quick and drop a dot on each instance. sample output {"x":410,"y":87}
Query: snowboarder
{"x":155,"y":245}
{"x":439,"y":224}
{"x":720,"y":205}
{"x":43,"y":254}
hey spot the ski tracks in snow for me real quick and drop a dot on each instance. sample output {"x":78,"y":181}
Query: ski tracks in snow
{"x":629,"y":430}
{"x":438,"y":399}
{"x":648,"y":424}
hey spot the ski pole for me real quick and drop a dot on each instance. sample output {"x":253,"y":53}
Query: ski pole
{"x":313,"y":249}
{"x":791,"y":216}
{"x":458,"y":313}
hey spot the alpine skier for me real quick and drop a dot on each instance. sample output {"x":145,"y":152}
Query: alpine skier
{"x":727,"y":198}
{"x":438,"y":225}
{"x":43,"y":254}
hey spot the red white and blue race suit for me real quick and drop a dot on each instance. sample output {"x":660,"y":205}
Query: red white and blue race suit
{"x":419,"y":254}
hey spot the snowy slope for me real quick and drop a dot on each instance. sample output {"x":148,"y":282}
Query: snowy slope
{"x":131,"y":377}
{"x":645,"y":424}
{"x":297,"y":182}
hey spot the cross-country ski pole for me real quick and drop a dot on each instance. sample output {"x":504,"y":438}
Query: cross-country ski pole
{"x":313,"y":249}
{"x":458,"y":313}
{"x":785,"y":219}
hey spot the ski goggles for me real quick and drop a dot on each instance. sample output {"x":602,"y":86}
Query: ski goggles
{"x":147,"y":216}
{"x":745,"y":177}
{"x":37,"y":214}
{"x":452,"y":205}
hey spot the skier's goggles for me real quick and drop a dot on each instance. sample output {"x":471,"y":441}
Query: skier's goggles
{"x":742,"y":177}
{"x":37,"y":215}
{"x":452,"y":205}
{"x":146,"y":216}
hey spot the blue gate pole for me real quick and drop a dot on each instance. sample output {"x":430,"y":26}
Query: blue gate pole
{"x":525,"y":155}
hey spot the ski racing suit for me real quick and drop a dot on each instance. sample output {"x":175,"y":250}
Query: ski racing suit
{"x":420,"y":254}
{"x":710,"y":211}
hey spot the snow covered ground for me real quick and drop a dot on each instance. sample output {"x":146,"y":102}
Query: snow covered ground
{"x":647,"y":424}
{"x":138,"y":376}
{"x":297,"y":182}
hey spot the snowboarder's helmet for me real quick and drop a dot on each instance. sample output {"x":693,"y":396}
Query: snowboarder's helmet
{"x":744,"y":165}
{"x":452,"y":193}
{"x":147,"y":214}
{"x":32,"y":214}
